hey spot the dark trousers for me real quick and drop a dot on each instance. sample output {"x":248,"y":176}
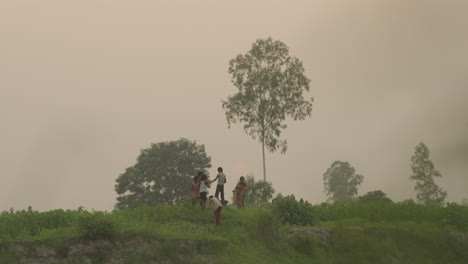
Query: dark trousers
{"x":220,"y":189}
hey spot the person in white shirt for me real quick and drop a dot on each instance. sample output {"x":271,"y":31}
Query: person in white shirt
{"x":204,"y":185}
{"x":220,"y":186}
{"x":218,"y":207}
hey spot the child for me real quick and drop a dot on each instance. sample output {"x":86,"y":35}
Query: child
{"x":220,"y":186}
{"x":218,"y":207}
{"x":239,"y":191}
{"x":204,"y":185}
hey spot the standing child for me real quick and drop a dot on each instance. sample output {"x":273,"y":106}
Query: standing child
{"x":220,"y":186}
{"x":218,"y":207}
{"x":239,"y":192}
{"x":204,"y":185}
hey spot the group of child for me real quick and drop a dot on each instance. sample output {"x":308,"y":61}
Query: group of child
{"x":200,"y":187}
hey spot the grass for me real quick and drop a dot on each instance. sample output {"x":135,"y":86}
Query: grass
{"x":358,"y":233}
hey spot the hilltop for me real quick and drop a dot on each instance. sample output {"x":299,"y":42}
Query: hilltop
{"x":285,"y":231}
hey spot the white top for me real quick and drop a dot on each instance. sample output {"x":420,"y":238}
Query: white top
{"x":203,"y":187}
{"x":221,"y":178}
{"x":216,"y":202}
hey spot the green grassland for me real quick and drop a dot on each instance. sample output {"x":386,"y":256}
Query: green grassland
{"x":284,"y":231}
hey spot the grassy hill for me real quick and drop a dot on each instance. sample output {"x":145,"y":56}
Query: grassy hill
{"x":285,"y":231}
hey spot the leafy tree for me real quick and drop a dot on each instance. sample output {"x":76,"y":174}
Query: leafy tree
{"x":424,"y":173}
{"x":271,"y":85}
{"x":374,"y":196}
{"x":258,"y":191}
{"x":340,"y":182}
{"x":162,"y":174}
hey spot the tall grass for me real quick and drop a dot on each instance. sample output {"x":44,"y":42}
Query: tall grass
{"x":291,"y":211}
{"x":183,"y":221}
{"x":389,"y":233}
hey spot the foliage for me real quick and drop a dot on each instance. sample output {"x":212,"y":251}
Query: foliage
{"x":291,"y":211}
{"x":258,"y":191}
{"x":24,"y":223}
{"x":96,"y":225}
{"x":374,"y":196}
{"x":424,"y":173}
{"x":456,"y":215}
{"x":271,"y":85}
{"x":465,"y":202}
{"x":340,"y":182}
{"x":264,"y":226}
{"x":355,"y":232}
{"x":162,"y":174}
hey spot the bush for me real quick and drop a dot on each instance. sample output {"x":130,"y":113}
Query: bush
{"x":96,"y":225}
{"x":374,"y":196}
{"x":456,"y":215}
{"x":291,"y":211}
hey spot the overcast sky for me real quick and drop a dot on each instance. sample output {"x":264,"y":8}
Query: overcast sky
{"x":85,"y":85}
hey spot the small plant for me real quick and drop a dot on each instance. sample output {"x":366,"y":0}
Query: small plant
{"x":96,"y":225}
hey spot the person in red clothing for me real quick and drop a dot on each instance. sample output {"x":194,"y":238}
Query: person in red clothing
{"x":218,"y":207}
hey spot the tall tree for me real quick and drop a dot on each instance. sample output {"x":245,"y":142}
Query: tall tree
{"x":341,"y":182}
{"x":258,"y":191}
{"x":424,"y":173}
{"x":271,"y":84}
{"x":162,"y":174}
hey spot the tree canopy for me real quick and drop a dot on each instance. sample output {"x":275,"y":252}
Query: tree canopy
{"x":162,"y":174}
{"x":424,"y":173}
{"x":341,"y":182}
{"x":374,"y":196}
{"x":258,"y":191}
{"x":270,"y":87}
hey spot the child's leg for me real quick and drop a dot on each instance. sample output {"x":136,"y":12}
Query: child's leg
{"x":217,"y":191}
{"x":221,"y":189}
{"x":203,"y":199}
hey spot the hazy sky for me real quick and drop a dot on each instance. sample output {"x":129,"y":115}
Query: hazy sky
{"x":84,"y":85}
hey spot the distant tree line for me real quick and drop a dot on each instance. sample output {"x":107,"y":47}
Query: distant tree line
{"x":163,"y":173}
{"x":341,"y":182}
{"x":271,"y":85}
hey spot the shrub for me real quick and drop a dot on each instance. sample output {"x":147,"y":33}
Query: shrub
{"x":96,"y":225}
{"x":456,"y":215}
{"x":374,"y":196}
{"x":291,"y":211}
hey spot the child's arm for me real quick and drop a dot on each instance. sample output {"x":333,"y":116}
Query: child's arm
{"x":214,"y":179}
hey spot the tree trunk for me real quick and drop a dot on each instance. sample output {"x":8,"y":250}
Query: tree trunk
{"x":263,"y":152}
